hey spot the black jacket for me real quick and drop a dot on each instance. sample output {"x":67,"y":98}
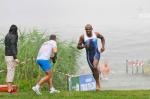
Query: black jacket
{"x":11,"y":40}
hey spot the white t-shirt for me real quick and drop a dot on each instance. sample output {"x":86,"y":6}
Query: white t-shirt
{"x":46,"y":50}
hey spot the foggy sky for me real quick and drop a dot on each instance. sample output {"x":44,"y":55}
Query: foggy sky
{"x":66,"y":12}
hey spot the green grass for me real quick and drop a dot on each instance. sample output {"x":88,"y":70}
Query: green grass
{"x":119,"y":94}
{"x":28,"y":72}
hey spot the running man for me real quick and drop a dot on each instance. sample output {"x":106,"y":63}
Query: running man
{"x":88,"y":40}
{"x":47,"y":51}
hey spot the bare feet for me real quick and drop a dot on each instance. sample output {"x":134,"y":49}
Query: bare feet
{"x":98,"y":89}
{"x":10,"y":89}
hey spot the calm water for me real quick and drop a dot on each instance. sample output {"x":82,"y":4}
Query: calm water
{"x":124,"y":23}
{"x":121,"y":43}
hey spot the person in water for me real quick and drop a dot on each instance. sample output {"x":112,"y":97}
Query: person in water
{"x":104,"y":70}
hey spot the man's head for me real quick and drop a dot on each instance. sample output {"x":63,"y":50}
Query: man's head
{"x":88,"y":29}
{"x":52,"y":37}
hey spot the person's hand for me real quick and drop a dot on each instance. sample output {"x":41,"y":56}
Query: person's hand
{"x":102,"y":49}
{"x":86,"y":46}
{"x":17,"y":61}
{"x":54,"y":59}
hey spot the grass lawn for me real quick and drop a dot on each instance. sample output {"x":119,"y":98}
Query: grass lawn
{"x":119,"y":94}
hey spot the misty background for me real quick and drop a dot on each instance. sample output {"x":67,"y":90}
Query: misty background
{"x":124,"y":24}
{"x":47,"y":13}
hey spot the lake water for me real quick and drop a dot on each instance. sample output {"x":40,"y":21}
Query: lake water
{"x":123,"y":42}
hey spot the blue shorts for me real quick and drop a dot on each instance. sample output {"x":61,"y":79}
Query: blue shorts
{"x":92,"y":56}
{"x":44,"y":64}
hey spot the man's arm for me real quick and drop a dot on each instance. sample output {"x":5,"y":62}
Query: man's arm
{"x":80,"y":43}
{"x":100,"y":36}
{"x":55,"y":55}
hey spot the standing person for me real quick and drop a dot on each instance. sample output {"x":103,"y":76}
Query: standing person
{"x":11,"y":40}
{"x":47,"y":51}
{"x":88,"y":40}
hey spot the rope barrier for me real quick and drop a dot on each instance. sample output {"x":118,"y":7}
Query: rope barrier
{"x":66,"y":74}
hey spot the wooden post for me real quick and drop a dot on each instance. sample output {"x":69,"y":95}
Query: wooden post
{"x":142,"y":69}
{"x":68,"y":83}
{"x":137,"y":66}
{"x":127,"y":66}
{"x":132,"y":69}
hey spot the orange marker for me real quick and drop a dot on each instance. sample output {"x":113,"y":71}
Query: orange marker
{"x":4,"y":88}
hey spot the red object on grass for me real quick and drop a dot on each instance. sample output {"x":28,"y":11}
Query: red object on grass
{"x":4,"y":88}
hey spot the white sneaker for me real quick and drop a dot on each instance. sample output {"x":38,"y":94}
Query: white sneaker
{"x":53,"y":90}
{"x":36,"y":90}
